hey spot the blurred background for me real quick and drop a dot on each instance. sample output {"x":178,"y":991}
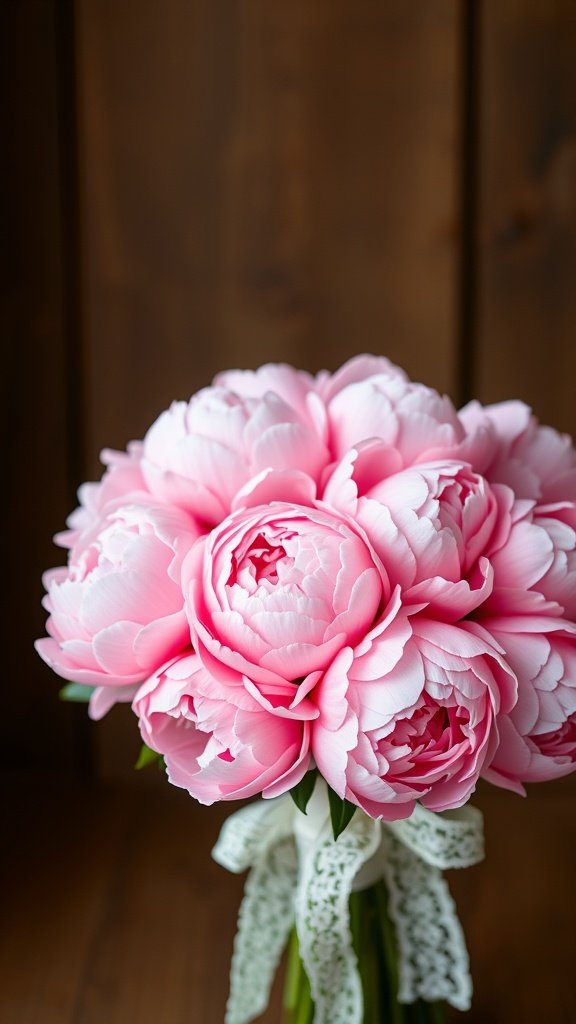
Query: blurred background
{"x":192,"y":185}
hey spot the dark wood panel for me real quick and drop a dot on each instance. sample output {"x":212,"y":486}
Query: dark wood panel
{"x":385,"y":148}
{"x":263,"y":182}
{"x":37,"y":429}
{"x":128,"y":919}
{"x":527,"y":206}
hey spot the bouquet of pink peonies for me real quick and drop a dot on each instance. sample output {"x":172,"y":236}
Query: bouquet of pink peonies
{"x":342,"y":589}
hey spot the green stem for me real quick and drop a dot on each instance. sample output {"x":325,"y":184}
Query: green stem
{"x":293,"y":972}
{"x":305,"y":1009}
{"x":363,"y":926}
{"x":388,"y":936}
{"x":436,"y":1014}
{"x":297,"y":1003}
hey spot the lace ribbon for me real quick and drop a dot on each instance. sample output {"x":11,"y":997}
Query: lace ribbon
{"x":301,"y":875}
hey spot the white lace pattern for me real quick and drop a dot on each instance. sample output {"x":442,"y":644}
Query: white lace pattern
{"x":300,"y":873}
{"x":323,"y":923}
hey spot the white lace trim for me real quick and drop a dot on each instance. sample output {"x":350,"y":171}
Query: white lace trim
{"x":299,"y":872}
{"x":453,"y":839}
{"x":259,"y":836}
{"x":432,"y":956}
{"x":323,"y":923}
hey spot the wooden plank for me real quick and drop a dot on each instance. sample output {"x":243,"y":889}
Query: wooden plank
{"x":36,"y":425}
{"x":263,"y":181}
{"x":526,"y":292}
{"x":383,"y":194}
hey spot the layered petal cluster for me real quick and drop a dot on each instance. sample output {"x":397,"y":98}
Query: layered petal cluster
{"x":341,"y":567}
{"x":296,"y":388}
{"x":432,"y":525}
{"x":412,"y":420}
{"x":116,"y":612}
{"x":535,"y":568}
{"x":410,"y":714}
{"x":277,"y":590}
{"x":536,"y":461}
{"x":538,"y":735}
{"x":218,"y":744}
{"x":122,"y":479}
{"x":200,"y":455}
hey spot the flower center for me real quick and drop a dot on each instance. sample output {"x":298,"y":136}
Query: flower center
{"x":260,"y":564}
{"x":561,"y":743}
{"x":428,"y":736}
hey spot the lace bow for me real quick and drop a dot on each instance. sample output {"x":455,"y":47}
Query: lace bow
{"x":300,"y":875}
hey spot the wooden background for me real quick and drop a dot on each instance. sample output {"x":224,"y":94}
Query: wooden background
{"x":197,"y":184}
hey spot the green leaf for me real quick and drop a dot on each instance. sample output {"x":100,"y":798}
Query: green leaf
{"x":77,"y":692}
{"x":146,"y":757}
{"x":303,"y":791}
{"x":341,"y":812}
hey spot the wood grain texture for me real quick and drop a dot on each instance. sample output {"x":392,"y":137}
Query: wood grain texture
{"x":125,"y":919}
{"x":36,"y":425}
{"x":526,"y":288}
{"x":116,"y":912}
{"x":263,"y":182}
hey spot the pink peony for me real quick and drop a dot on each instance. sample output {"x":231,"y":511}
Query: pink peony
{"x":354,"y":371}
{"x":537,"y":737}
{"x":121,"y":478}
{"x":410,"y":714}
{"x":432,"y":525}
{"x":295,"y":388}
{"x":535,"y":567}
{"x":536,"y":462}
{"x":117,"y":610}
{"x":201,"y":454}
{"x":277,"y":590}
{"x":413,"y":420}
{"x":217,"y":743}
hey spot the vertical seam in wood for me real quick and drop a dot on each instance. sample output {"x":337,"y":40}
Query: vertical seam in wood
{"x":69,"y":205}
{"x":469,"y":173}
{"x":68,"y":147}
